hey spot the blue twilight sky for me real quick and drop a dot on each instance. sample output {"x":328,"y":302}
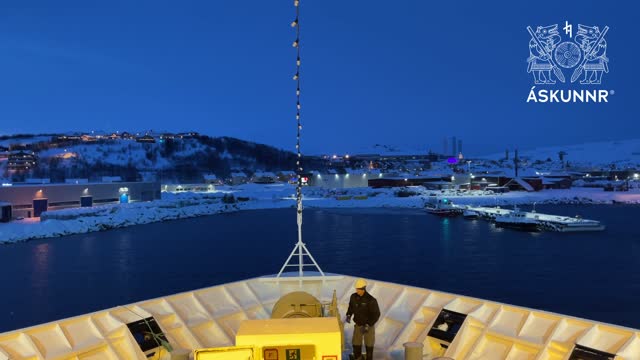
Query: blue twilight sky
{"x":390,"y":72}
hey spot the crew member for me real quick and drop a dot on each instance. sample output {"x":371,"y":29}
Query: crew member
{"x":365,"y":311}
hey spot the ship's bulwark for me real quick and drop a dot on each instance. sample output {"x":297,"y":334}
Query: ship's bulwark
{"x":210,"y":317}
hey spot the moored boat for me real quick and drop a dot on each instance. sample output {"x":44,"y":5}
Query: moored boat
{"x":470,"y":214}
{"x":442,"y":207}
{"x":517,"y":220}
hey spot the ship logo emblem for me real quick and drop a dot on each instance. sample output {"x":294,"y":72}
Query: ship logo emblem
{"x":583,"y":56}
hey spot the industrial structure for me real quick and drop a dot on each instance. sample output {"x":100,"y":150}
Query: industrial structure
{"x":27,"y":200}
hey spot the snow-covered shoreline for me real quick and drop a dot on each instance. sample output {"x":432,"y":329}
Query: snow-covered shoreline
{"x":253,"y":197}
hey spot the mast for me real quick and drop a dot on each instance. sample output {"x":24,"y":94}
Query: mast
{"x":300,"y":250}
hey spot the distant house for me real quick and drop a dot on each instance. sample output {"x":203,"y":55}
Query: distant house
{"x":238,"y":178}
{"x":114,"y":136}
{"x":556,"y":183}
{"x":438,"y":184}
{"x":22,"y":160}
{"x":287,"y":176}
{"x":98,"y":135}
{"x":165,"y":136}
{"x":146,"y":139}
{"x":187,"y":135}
{"x":88,"y":138}
{"x":67,"y":139}
{"x":524,"y":184}
{"x":264,"y":178}
{"x":394,"y":182}
{"x":212,"y":179}
{"x":127,"y":136}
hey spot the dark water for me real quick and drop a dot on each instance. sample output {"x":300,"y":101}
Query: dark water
{"x":590,"y":275}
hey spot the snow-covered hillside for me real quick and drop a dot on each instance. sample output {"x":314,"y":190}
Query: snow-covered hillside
{"x":622,"y":153}
{"x":178,"y":158}
{"x":152,"y":156}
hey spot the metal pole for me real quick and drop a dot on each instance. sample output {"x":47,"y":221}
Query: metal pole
{"x":300,"y":247}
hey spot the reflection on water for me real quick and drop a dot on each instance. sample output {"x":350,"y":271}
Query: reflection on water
{"x":567,"y":273}
{"x":40,"y":266}
{"x":123,"y":257}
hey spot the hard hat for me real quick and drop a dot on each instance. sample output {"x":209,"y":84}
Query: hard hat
{"x":361,"y":283}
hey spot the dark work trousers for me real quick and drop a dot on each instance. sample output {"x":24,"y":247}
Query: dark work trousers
{"x":369,"y":340}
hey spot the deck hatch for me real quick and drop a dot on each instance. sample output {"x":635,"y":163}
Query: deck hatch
{"x":147,"y":333}
{"x":447,"y":325}
{"x":581,"y":352}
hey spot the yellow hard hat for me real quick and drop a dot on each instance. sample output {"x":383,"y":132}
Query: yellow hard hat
{"x":361,"y":284}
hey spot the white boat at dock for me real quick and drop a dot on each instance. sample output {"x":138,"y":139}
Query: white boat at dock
{"x":442,"y":207}
{"x":470,"y":214}
{"x":518,"y":220}
{"x":523,"y":219}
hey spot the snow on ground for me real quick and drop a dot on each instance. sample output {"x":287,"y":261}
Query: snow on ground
{"x":254,"y":196}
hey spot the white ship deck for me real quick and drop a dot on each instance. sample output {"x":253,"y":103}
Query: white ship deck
{"x":210,"y":317}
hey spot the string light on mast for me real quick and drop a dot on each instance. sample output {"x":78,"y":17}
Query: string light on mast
{"x":296,"y":44}
{"x":300,"y":250}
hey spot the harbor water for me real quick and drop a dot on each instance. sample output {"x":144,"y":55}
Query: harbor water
{"x":590,"y":275}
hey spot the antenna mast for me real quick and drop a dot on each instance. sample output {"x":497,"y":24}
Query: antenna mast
{"x":300,"y":249}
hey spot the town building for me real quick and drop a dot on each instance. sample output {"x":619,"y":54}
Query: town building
{"x":261,"y":177}
{"x":146,"y":139}
{"x":211,"y":179}
{"x":238,"y":178}
{"x":287,"y":176}
{"x":197,"y":188}
{"x":187,"y":135}
{"x":22,"y":160}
